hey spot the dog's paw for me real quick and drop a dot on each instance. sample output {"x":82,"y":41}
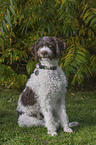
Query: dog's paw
{"x":68,"y":130}
{"x":73,"y":124}
{"x":52,"y":133}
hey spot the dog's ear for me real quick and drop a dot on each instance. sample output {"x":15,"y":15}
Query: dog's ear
{"x":34,"y":49}
{"x":60,"y":47}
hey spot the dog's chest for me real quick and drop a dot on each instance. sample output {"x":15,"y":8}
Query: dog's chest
{"x":48,"y":82}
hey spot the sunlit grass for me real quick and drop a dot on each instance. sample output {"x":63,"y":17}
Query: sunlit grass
{"x":81,"y":107}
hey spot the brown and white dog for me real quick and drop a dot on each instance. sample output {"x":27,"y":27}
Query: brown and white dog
{"x":43,"y":100}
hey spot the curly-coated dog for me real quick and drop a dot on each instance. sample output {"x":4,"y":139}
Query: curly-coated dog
{"x":43,"y":100}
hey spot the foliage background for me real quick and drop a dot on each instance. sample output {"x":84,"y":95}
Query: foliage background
{"x":22,"y":22}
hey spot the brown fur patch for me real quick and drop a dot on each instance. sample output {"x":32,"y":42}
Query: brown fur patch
{"x":28,"y":97}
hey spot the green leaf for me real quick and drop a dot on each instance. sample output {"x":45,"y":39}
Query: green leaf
{"x":30,"y":66}
{"x":93,"y":21}
{"x":8,"y":20}
{"x":3,"y":33}
{"x":20,"y":80}
{"x":89,"y":18}
{"x":63,"y":1}
{"x":94,"y":10}
{"x":86,"y":14}
{"x":4,"y":25}
{"x":12,"y":3}
{"x":1,"y":37}
{"x":85,"y":7}
{"x":8,"y":14}
{"x":12,"y":10}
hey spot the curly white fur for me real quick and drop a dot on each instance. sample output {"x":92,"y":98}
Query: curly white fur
{"x":50,"y":89}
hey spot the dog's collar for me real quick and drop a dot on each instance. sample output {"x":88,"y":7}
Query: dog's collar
{"x":48,"y":68}
{"x":39,"y":66}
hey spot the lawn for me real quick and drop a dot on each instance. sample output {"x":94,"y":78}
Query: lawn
{"x":81,"y":107}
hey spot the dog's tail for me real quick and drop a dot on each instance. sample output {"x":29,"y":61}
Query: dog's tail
{"x":73,"y":124}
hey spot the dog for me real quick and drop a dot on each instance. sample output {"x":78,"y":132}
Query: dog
{"x":43,"y":100}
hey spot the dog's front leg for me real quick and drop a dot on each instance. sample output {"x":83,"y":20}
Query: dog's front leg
{"x":48,"y":117}
{"x":64,"y":117}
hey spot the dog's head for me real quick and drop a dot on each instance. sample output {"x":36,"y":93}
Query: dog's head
{"x":47,"y":47}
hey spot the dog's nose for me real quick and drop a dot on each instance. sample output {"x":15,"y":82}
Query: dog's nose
{"x":44,"y":52}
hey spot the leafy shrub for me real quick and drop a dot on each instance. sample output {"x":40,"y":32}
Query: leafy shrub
{"x":73,"y":21}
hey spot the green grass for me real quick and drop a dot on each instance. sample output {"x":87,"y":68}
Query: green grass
{"x":81,"y":107}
